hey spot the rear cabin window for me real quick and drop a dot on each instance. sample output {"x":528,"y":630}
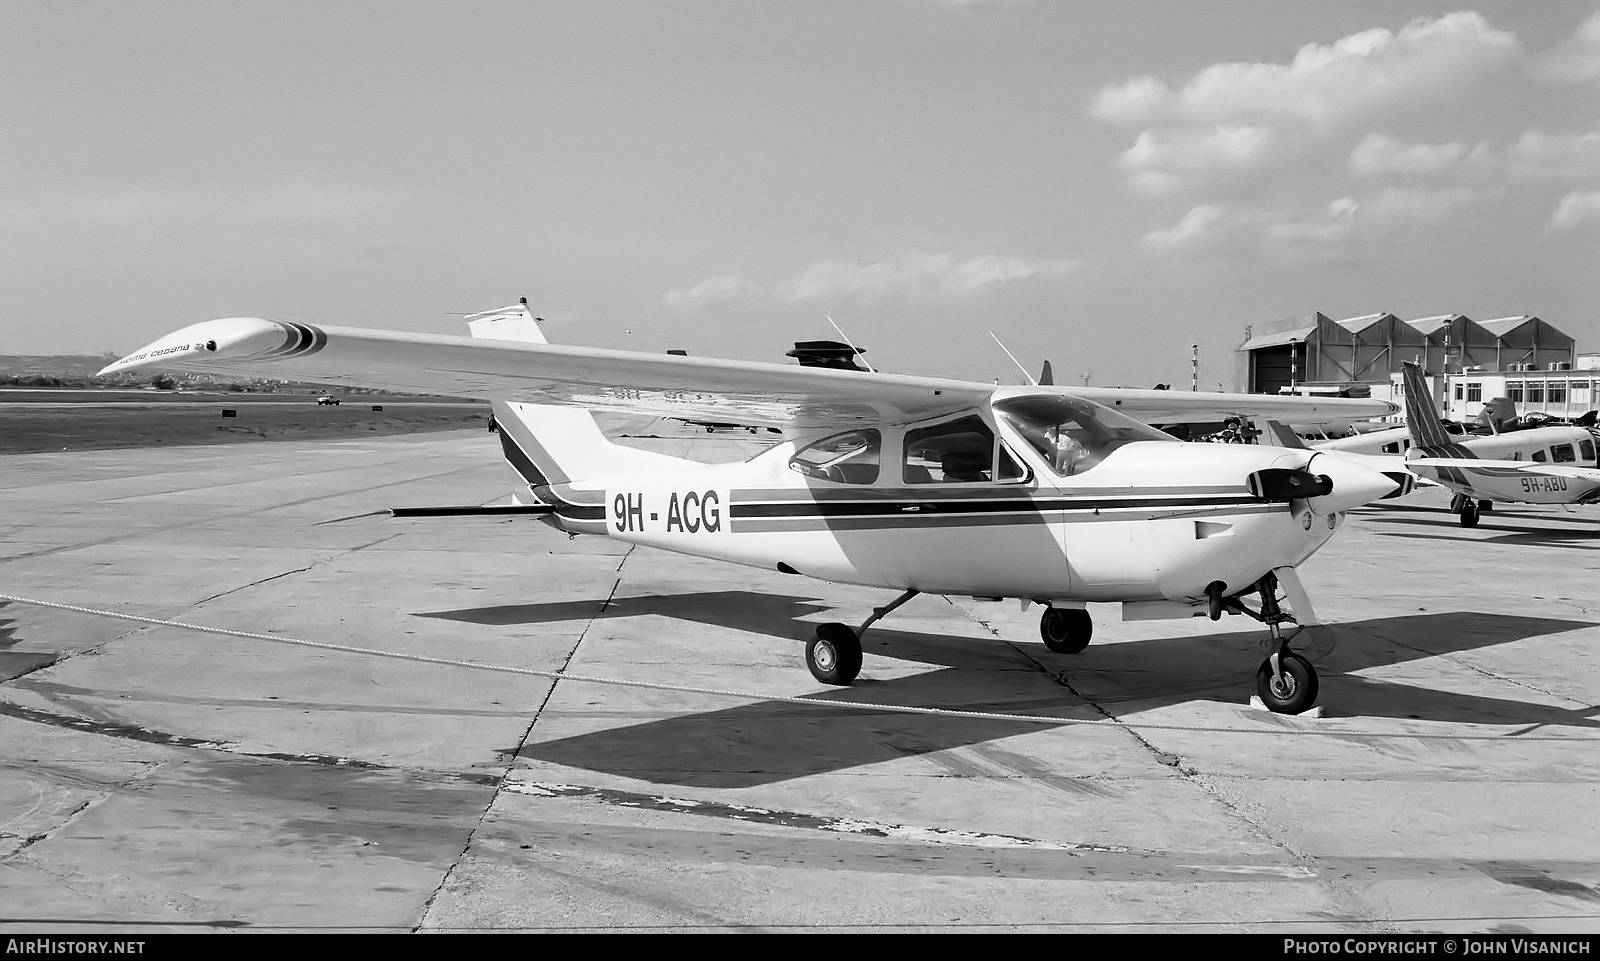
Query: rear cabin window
{"x":1563,"y":454}
{"x":849,"y":458}
{"x":1538,"y":455}
{"x":955,"y":452}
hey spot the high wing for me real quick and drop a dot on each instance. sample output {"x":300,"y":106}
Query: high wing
{"x":1505,"y":467}
{"x":698,"y":388}
{"x":1187,"y":407}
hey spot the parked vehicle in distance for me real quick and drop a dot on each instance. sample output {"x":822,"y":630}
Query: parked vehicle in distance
{"x":328,"y":400}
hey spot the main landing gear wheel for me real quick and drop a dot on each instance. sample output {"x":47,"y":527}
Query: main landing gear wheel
{"x":834,"y":655}
{"x":1066,"y":630}
{"x":1294,"y":688}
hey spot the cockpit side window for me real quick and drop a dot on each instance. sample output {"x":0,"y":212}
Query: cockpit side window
{"x":1072,"y":435}
{"x":849,"y":458}
{"x":954,"y":452}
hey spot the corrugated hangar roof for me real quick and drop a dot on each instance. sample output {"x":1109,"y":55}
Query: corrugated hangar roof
{"x":1505,"y":325}
{"x":1357,"y":324}
{"x":1429,"y":325}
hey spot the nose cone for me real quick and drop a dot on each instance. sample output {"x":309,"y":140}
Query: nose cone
{"x":1353,"y":484}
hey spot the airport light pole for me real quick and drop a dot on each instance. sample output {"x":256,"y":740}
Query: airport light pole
{"x":1194,"y":368}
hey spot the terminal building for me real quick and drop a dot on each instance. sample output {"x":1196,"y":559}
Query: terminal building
{"x":1467,"y":362}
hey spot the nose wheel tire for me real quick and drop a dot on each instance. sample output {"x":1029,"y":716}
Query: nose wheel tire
{"x":1066,"y":630}
{"x":1294,"y":691}
{"x":834,"y":655}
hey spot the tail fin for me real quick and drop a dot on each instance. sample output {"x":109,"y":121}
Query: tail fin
{"x":1284,"y":437}
{"x":549,"y":445}
{"x":1498,"y":414}
{"x":1427,"y":430}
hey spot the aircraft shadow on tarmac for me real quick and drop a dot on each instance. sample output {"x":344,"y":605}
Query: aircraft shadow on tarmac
{"x":1574,"y":533}
{"x":767,"y":742}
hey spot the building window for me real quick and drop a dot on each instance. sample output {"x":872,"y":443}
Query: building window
{"x":1514,"y":391}
{"x":1458,"y":391}
{"x":1556,"y":393}
{"x":1535,"y":392}
{"x":1474,"y":391}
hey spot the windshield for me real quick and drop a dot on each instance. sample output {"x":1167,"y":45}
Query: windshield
{"x":1072,"y":435}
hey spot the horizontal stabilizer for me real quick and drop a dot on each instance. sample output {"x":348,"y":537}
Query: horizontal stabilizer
{"x":535,"y":509}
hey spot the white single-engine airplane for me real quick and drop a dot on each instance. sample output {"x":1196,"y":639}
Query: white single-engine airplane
{"x":1535,"y":465}
{"x":1053,"y":495}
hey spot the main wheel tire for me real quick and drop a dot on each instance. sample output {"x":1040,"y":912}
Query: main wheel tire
{"x":834,"y":655}
{"x":1297,"y":690}
{"x":1469,"y":515}
{"x":1066,"y":630}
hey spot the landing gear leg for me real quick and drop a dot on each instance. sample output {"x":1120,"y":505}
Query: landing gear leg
{"x":834,"y":655}
{"x":1286,"y":682}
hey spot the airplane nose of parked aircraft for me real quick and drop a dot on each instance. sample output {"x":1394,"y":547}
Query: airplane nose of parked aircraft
{"x":1353,"y":484}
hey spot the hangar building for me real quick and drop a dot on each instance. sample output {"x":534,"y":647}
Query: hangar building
{"x":1524,"y":358}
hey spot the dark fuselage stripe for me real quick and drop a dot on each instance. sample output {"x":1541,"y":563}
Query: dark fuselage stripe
{"x":996,"y":506}
{"x":914,"y":521}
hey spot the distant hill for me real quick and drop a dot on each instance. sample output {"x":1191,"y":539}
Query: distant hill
{"x":59,"y":365}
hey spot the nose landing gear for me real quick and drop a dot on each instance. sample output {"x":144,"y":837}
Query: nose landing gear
{"x":1285,"y":681}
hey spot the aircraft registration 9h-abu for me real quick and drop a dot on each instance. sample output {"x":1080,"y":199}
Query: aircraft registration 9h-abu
{"x":1536,"y":465}
{"x":1060,"y":496}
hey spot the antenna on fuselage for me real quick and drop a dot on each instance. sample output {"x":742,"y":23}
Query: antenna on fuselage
{"x":1014,"y":360}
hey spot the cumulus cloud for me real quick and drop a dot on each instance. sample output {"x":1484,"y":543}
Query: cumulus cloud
{"x":1245,"y":148}
{"x":1201,"y":228}
{"x":1578,"y":212}
{"x":1575,"y":61}
{"x":1561,"y":156}
{"x":1342,"y":82}
{"x":908,"y":276}
{"x":1378,"y":155}
{"x":1347,"y":228}
{"x":913,"y":275}
{"x":1162,"y":162}
{"x":1243,"y":125}
{"x":1332,"y":234}
{"x":724,"y":288}
{"x":1396,"y":207}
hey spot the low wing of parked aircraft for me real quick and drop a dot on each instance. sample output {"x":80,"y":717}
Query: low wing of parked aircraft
{"x":1533,"y":465}
{"x":1059,"y":496}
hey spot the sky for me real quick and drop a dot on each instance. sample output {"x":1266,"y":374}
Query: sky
{"x":1102,"y":185}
